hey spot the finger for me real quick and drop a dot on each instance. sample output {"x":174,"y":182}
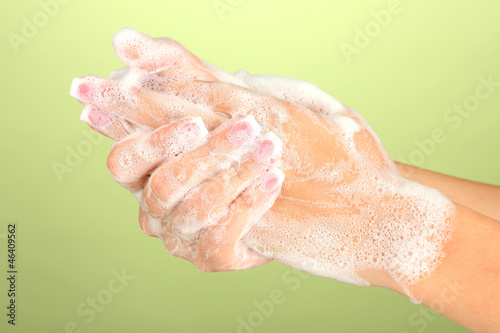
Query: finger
{"x":220,"y":247}
{"x":148,"y":225}
{"x":236,"y":101}
{"x":158,"y":55}
{"x":171,"y":181}
{"x":132,"y":160}
{"x":204,"y":206}
{"x":108,"y":125}
{"x":145,"y":107}
{"x":168,"y":62}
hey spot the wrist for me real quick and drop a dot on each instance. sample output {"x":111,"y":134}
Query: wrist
{"x":419,"y":222}
{"x":465,"y":286}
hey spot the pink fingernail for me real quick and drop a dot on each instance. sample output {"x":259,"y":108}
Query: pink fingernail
{"x":270,"y":146}
{"x":99,"y":118}
{"x":193,"y":130}
{"x":244,"y":130}
{"x":271,"y":184}
{"x":81,"y":89}
{"x":272,"y":180}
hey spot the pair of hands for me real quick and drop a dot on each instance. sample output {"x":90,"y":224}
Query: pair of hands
{"x":233,"y":171}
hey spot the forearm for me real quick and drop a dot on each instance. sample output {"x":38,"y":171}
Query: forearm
{"x":466,"y":286}
{"x":480,"y":197}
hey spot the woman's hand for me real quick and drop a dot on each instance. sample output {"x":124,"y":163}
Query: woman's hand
{"x":343,"y":212}
{"x":201,"y":202}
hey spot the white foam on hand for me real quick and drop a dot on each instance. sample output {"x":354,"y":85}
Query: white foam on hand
{"x":343,"y":209}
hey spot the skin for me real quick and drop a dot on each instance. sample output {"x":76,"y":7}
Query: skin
{"x":465,"y":287}
{"x":482,"y":198}
{"x":472,"y":239}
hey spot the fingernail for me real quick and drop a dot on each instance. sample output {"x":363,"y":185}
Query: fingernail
{"x":244,"y":130}
{"x":81,"y":89}
{"x":97,"y":117}
{"x":269,"y":147}
{"x":272,"y":180}
{"x":193,"y":130}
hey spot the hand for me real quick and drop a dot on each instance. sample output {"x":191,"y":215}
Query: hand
{"x":343,"y":209}
{"x":200,"y":212}
{"x":163,"y":65}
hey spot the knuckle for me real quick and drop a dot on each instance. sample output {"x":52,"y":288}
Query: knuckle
{"x":189,"y":219}
{"x":209,"y":193}
{"x":160,"y":187}
{"x":184,"y":224}
{"x":218,"y":143}
{"x":171,"y":248}
{"x":145,"y":225}
{"x":177,"y":248}
{"x":184,"y":211}
{"x":195,"y":206}
{"x":120,"y":163}
{"x":113,"y":160}
{"x":203,"y":202}
{"x":156,"y":182}
{"x":208,"y":263}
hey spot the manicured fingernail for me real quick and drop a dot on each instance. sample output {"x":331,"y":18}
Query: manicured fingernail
{"x":244,"y":130}
{"x":81,"y":89}
{"x":98,"y":118}
{"x":272,"y":180}
{"x":269,"y":147}
{"x":193,"y":130}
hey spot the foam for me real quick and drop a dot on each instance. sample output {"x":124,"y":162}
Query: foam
{"x":254,"y":127}
{"x":277,"y":143}
{"x":257,"y":212}
{"x":289,"y":89}
{"x":148,"y":51}
{"x":220,"y":159}
{"x":306,"y":94}
{"x":364,"y":215}
{"x":273,"y":173}
{"x":144,"y":156}
{"x":186,"y":223}
{"x":118,"y":74}
{"x":224,"y":76}
{"x":408,"y":245}
{"x":73,"y":90}
{"x":84,"y":116}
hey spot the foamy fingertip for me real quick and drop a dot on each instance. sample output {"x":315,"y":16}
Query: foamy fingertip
{"x":74,"y":89}
{"x":84,"y":116}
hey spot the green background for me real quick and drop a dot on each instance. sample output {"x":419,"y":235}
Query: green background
{"x":74,"y":232}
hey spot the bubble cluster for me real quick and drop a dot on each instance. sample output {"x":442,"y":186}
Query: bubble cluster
{"x":346,"y":234}
{"x":364,"y":215}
